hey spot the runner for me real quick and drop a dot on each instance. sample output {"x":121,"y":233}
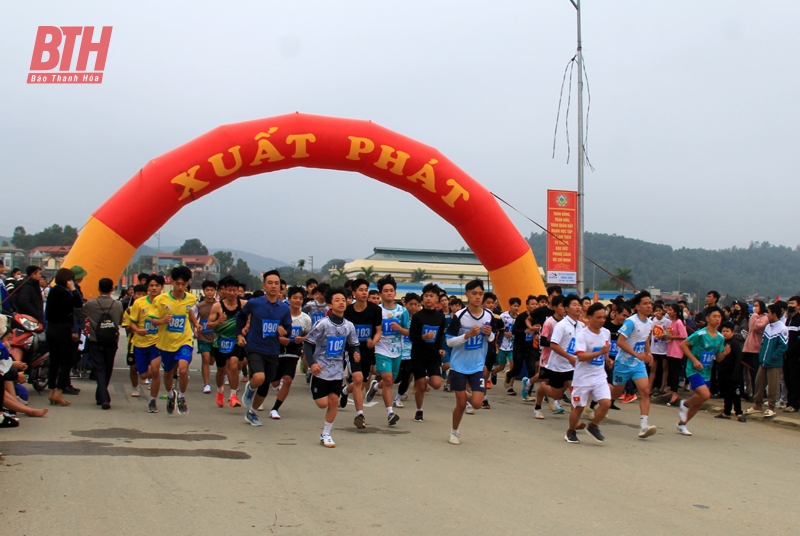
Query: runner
{"x":469,"y":336}
{"x":489,"y":303}
{"x":366,"y":317}
{"x":612,"y":325}
{"x":325,"y":351}
{"x":522,"y":346}
{"x":176,"y":322}
{"x":228,"y":355}
{"x":311,"y":284}
{"x":413,"y":305}
{"x":261,"y":341}
{"x":427,"y":333}
{"x":545,"y":335}
{"x":701,"y":349}
{"x":589,"y":379}
{"x":634,"y":354}
{"x":444,"y":303}
{"x":561,"y":365}
{"x":205,"y":336}
{"x":506,"y":353}
{"x":374,"y":297}
{"x":317,"y":309}
{"x":394,"y":326}
{"x":658,"y":345}
{"x":291,"y":349}
{"x":145,"y":352}
{"x":139,"y":291}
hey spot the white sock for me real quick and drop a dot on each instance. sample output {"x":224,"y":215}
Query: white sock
{"x":152,"y":398}
{"x":419,"y":409}
{"x":469,"y":405}
{"x":180,"y":395}
{"x":360,"y":412}
{"x":397,"y":396}
{"x":170,"y":394}
{"x":389,"y":410}
{"x":643,"y":420}
{"x":344,"y":390}
{"x":221,"y":390}
{"x":326,"y":430}
{"x":454,"y":431}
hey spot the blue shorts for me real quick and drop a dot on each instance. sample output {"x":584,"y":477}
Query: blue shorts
{"x":697,"y":380}
{"x":205,"y":346}
{"x":170,"y":359}
{"x":143,"y":356}
{"x":623,"y":373}
{"x":459,"y":381}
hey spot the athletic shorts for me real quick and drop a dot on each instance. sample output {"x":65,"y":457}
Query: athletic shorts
{"x":221,"y":359}
{"x":459,"y":381}
{"x":143,"y":356}
{"x":623,"y":373}
{"x":503,"y":357}
{"x":129,"y":360}
{"x":557,"y":380}
{"x":204,"y":346}
{"x":322,"y":388}
{"x":170,"y":359}
{"x":580,"y":395}
{"x":352,"y":364}
{"x":287,"y":366}
{"x":696,"y":380}
{"x":262,"y":363}
{"x":543,"y":373}
{"x":384,"y":364}
{"x":426,"y":366}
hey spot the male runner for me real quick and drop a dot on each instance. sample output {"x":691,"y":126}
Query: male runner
{"x":291,"y":348}
{"x":634,"y":353}
{"x":522,"y":345}
{"x":145,"y":352}
{"x":413,"y":305}
{"x":545,"y":335}
{"x":139,"y":291}
{"x":374,"y":297}
{"x":176,"y":323}
{"x":367,"y":318}
{"x":205,"y":337}
{"x":317,"y":309}
{"x":427,"y":333}
{"x":506,"y":353}
{"x":489,"y":303}
{"x":394,"y":326}
{"x":612,"y":325}
{"x":561,"y":365}
{"x":227,"y":353}
{"x":444,"y":303}
{"x":261,"y":341}
{"x":469,"y":336}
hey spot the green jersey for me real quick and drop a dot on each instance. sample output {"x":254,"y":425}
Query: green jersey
{"x":225,"y":331}
{"x":705,"y":348}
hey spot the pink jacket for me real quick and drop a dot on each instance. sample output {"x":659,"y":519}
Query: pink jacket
{"x":756,"y":333}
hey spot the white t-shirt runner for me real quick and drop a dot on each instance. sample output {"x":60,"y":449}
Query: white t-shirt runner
{"x":636,"y":334}
{"x":507,"y":343}
{"x":391,"y":342}
{"x":591,"y":373}
{"x":564,"y":335}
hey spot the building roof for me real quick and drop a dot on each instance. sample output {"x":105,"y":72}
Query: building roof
{"x":51,"y":250}
{"x":426,"y":256}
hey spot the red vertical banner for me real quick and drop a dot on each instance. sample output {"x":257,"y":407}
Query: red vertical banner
{"x":562,"y":237}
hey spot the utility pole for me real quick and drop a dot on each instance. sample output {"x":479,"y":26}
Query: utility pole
{"x":311,"y":259}
{"x":581,"y":156}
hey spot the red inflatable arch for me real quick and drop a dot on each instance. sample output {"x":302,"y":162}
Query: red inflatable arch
{"x":175,"y":179}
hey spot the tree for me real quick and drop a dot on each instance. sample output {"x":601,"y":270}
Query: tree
{"x":225,"y":260}
{"x":192,"y":246}
{"x":331,"y":264}
{"x":368,"y":273}
{"x":54,"y":235}
{"x":419,"y":275}
{"x":338,"y":278}
{"x":241,"y":272}
{"x":461,"y":281}
{"x":5,"y":243}
{"x":625,"y":275}
{"x":301,"y":264}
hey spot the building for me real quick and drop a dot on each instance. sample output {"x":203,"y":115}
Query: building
{"x":13,"y":257}
{"x":49,"y":258}
{"x":202,"y":266}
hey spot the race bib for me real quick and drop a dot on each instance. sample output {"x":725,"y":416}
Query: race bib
{"x":386,"y":327}
{"x":571,"y":347}
{"x":204,"y":324}
{"x":598,"y":361}
{"x":638,"y":347}
{"x":474,"y":343}
{"x":334,"y":346}
{"x":364,"y":332}
{"x":269,"y":328}
{"x":316,"y":317}
{"x":177,"y":324}
{"x":150,"y":328}
{"x":706,"y":358}
{"x":226,"y":345}
{"x":528,"y":337}
{"x":614,"y":350}
{"x":297,"y":331}
{"x":430,"y":329}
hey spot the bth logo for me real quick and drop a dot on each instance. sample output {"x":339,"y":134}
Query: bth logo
{"x":54,"y":50}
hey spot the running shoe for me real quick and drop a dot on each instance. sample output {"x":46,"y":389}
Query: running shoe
{"x":249,"y":394}
{"x":768,"y":413}
{"x":594,"y":430}
{"x":589,"y":413}
{"x":220,"y":399}
{"x":343,"y":398}
{"x":234,"y":400}
{"x":551,"y":404}
{"x":531,"y":390}
{"x":524,"y":388}
{"x":647,"y":431}
{"x":404,"y":397}
{"x":273,"y":414}
{"x":147,"y":381}
{"x":398,"y":403}
{"x":371,"y":391}
{"x":454,"y":439}
{"x":614,"y":406}
{"x":327,"y":441}
{"x":135,"y":392}
{"x":789,"y":409}
{"x":418,"y":416}
{"x":537,"y":414}
{"x":506,"y":383}
{"x":470,"y":410}
{"x":571,"y":437}
{"x":261,"y":407}
{"x":683,"y":412}
{"x":446,"y":387}
{"x":494,"y":378}
{"x":252,"y":417}
{"x":206,"y":389}
{"x":485,"y":404}
{"x":171,"y":402}
{"x":580,"y":426}
{"x":182,"y":408}
{"x":360,"y":421}
{"x":489,"y":384}
{"x":629,"y":398}
{"x":683,"y":430}
{"x":511,"y":392}
{"x":393,"y":418}
{"x":559,"y":410}
{"x":152,"y":407}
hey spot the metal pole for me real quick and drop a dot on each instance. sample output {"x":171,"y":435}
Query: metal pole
{"x":581,"y":157}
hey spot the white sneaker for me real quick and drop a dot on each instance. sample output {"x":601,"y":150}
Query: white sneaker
{"x":274,"y":415}
{"x":226,"y":380}
{"x":207,"y":389}
{"x":768,"y":413}
{"x":404,"y":397}
{"x":327,"y":441}
{"x":147,"y":381}
{"x":683,"y":412}
{"x":398,"y":403}
{"x":454,"y":439}
{"x":552,"y":404}
{"x":589,"y":413}
{"x":537,"y":414}
{"x":470,"y":410}
{"x":261,"y":407}
{"x":135,"y":392}
{"x":647,"y":431}
{"x":683,"y":430}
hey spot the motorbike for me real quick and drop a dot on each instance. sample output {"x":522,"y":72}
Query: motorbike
{"x":30,"y":344}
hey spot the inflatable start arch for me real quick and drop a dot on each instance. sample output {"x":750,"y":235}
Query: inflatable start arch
{"x":169,"y":182}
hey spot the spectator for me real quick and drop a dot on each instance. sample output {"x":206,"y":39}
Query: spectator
{"x":740,"y":318}
{"x":770,"y":357}
{"x":730,"y":371}
{"x":28,"y":298}
{"x":676,"y":333}
{"x":105,"y":316}
{"x":752,"y":345}
{"x":5,"y":304}
{"x":61,"y":304}
{"x":791,"y":365}
{"x":13,"y":279}
{"x":78,"y":327}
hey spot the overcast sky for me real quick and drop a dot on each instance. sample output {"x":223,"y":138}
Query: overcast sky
{"x":693,"y":121}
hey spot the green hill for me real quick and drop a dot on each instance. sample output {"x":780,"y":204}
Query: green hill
{"x":761,"y":268}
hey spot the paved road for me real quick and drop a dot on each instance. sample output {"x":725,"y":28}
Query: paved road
{"x":124,"y":471}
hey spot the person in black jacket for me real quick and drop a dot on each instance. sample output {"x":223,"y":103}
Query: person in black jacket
{"x":729,"y":371}
{"x":427,"y":336}
{"x":28,"y":297}
{"x":61,"y":304}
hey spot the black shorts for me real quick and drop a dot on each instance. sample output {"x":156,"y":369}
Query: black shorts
{"x":322,"y":388}
{"x":426,"y":366}
{"x":262,"y":363}
{"x":458,"y":381}
{"x":557,"y":380}
{"x":352,"y":364}
{"x":129,"y":358}
{"x":543,"y":372}
{"x":491,"y":357}
{"x":221,"y":359}
{"x":367,"y":361}
{"x":287,"y":366}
